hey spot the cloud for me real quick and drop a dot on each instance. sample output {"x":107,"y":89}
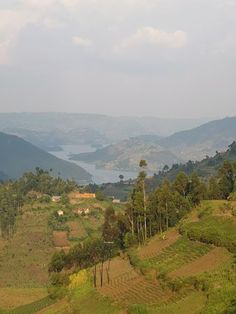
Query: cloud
{"x":80,"y":41}
{"x":11,"y":23}
{"x":150,"y":36}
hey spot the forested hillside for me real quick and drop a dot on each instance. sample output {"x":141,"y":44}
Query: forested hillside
{"x":205,"y":168}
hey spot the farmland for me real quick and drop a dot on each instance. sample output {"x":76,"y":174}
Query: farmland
{"x":168,"y":274}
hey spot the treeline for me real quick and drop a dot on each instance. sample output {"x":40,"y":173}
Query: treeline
{"x":83,"y":255}
{"x":11,"y":201}
{"x":13,"y":195}
{"x":205,"y":168}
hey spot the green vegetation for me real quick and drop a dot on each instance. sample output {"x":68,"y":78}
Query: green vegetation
{"x":205,"y":169}
{"x":33,"y":307}
{"x":215,"y":230}
{"x":181,"y":252}
{"x":104,"y":257}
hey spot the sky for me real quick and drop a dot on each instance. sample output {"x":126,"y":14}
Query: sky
{"x":163,"y":58}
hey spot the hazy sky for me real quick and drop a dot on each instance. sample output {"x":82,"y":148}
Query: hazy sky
{"x":166,"y":58}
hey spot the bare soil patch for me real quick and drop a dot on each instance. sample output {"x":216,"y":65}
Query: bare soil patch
{"x":126,"y":286}
{"x":77,"y":229}
{"x":205,"y":263}
{"x":60,"y":239}
{"x":156,"y":245}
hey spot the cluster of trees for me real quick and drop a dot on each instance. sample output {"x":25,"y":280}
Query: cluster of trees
{"x":13,"y":195}
{"x":223,"y":185}
{"x":11,"y":201}
{"x":205,"y":168}
{"x":83,"y":255}
{"x":149,"y":213}
{"x":42,"y":181}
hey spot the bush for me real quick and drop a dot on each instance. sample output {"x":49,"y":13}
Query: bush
{"x":130,"y":240}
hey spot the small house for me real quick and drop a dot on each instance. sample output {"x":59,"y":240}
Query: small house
{"x":79,"y":195}
{"x":82,"y":211}
{"x":116,"y":201}
{"x":56,"y":199}
{"x":60,"y":213}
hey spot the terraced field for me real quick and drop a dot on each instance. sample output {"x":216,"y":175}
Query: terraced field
{"x":181,"y":252}
{"x":157,"y":244}
{"x":128,"y":287}
{"x":206,"y":263}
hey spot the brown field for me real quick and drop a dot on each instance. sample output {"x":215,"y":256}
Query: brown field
{"x":14,"y":297}
{"x":60,"y":239}
{"x":205,"y":263}
{"x":24,"y":258}
{"x":156,"y":245}
{"x":126,"y":286}
{"x":77,"y":229}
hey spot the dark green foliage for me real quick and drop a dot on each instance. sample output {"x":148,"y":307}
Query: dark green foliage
{"x":212,"y":230}
{"x":33,"y":307}
{"x":110,"y":227}
{"x":205,"y":168}
{"x":100,"y":195}
{"x":14,"y":194}
{"x":41,"y":181}
{"x":57,"y":262}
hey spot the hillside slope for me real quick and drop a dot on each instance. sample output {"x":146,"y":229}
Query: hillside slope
{"x":204,"y":140}
{"x":18,"y":156}
{"x":205,"y":168}
{"x":126,"y":155}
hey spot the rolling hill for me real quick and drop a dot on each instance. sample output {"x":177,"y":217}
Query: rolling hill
{"x":204,"y":140}
{"x":194,"y":144}
{"x":126,"y":155}
{"x":18,"y":156}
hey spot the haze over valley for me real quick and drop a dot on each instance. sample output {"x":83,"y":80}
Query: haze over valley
{"x":117,"y":157}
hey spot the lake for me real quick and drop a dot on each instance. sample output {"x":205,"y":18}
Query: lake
{"x":99,"y":176}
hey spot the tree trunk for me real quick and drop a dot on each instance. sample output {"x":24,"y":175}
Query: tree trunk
{"x":145,"y":211}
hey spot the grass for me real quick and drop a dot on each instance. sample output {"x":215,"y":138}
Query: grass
{"x":32,"y":307}
{"x":13,"y":297}
{"x":86,"y":300}
{"x":181,"y":252}
{"x":24,"y":258}
{"x":77,"y":230}
{"x":194,"y":301}
{"x":220,"y":231}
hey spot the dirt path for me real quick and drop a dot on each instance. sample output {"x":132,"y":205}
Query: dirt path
{"x":206,"y":263}
{"x":157,"y":245}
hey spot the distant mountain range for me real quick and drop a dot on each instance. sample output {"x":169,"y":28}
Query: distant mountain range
{"x":126,"y":155}
{"x":50,"y":130}
{"x":204,"y":140}
{"x":192,"y":144}
{"x":18,"y":156}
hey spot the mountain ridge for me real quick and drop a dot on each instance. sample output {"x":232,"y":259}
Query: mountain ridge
{"x":18,"y":156}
